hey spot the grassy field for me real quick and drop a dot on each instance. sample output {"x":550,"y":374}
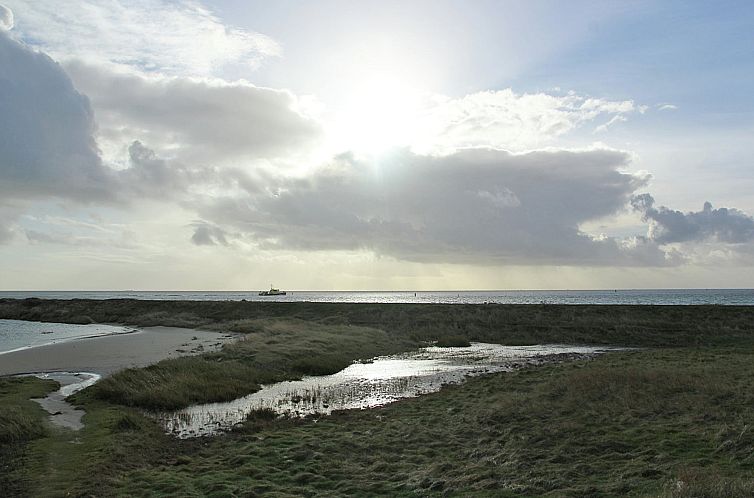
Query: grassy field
{"x":514,"y":324}
{"x":672,"y":419}
{"x":645,"y":424}
{"x":21,"y":421}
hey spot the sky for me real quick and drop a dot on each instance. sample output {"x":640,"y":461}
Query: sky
{"x":340,"y":145}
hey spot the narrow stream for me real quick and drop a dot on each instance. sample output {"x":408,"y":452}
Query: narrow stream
{"x":369,"y":384}
{"x":62,"y":413}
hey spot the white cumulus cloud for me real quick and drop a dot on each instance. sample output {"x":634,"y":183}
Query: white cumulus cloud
{"x":175,"y":37}
{"x":6,"y":18}
{"x":513,"y":121}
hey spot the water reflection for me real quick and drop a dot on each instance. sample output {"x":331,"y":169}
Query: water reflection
{"x":368,"y":384}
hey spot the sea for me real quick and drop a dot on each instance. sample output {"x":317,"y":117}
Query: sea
{"x":19,"y":334}
{"x":738,"y":297}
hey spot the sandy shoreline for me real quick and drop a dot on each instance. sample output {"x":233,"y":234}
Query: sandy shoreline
{"x":107,"y":354}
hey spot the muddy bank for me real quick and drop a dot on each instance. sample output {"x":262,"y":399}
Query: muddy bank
{"x":108,"y":354}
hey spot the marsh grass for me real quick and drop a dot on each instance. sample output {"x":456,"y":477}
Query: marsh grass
{"x":697,"y":483}
{"x":272,"y":351}
{"x":176,"y":383}
{"x":650,"y":326}
{"x":673,"y":421}
{"x":633,"y":424}
{"x":16,"y":425}
{"x":284,"y":341}
{"x":21,"y":422}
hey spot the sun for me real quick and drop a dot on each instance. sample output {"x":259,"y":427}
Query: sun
{"x":378,"y":112}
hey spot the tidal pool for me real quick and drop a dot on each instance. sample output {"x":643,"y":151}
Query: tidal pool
{"x":369,"y":384}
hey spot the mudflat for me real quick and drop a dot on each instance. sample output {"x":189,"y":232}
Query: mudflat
{"x":108,"y":354}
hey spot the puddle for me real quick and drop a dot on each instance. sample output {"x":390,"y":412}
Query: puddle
{"x":369,"y":384}
{"x":62,"y":413}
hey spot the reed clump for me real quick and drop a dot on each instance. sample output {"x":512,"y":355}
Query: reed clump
{"x":18,"y":426}
{"x":179,"y":382}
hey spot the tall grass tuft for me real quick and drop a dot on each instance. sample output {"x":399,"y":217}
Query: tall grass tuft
{"x":17,"y":426}
{"x":176,"y":383}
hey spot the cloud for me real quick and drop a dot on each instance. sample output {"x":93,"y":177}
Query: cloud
{"x":505,"y":119}
{"x":152,"y":177}
{"x":480,"y":206}
{"x":667,"y":107}
{"x":172,"y":37}
{"x":8,"y":216}
{"x":724,"y":225}
{"x":207,"y":234}
{"x":6,"y":18}
{"x":201,"y":120}
{"x":615,"y":119}
{"x":46,"y":131}
{"x":80,"y":230}
{"x":71,"y":238}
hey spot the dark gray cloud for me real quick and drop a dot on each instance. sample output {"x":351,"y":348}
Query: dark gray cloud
{"x":477,"y":206}
{"x":668,"y":225}
{"x":201,"y":120}
{"x":46,"y":130}
{"x":152,"y":177}
{"x":47,"y":145}
{"x":207,"y":234}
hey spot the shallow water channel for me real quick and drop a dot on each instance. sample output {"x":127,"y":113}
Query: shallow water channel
{"x":62,"y":413}
{"x":368,"y":384}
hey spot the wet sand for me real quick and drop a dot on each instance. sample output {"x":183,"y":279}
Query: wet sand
{"x":108,"y":354}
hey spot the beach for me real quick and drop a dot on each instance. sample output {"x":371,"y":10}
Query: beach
{"x":108,"y":354}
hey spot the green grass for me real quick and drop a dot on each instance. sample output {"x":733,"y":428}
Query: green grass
{"x":271,"y":351}
{"x":18,"y":426}
{"x":21,"y":421}
{"x":670,"y":423}
{"x":179,"y":382}
{"x":672,"y":420}
{"x":650,"y":326}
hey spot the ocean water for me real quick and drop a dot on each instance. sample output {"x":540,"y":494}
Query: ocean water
{"x":632,"y":296}
{"x":19,"y":334}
